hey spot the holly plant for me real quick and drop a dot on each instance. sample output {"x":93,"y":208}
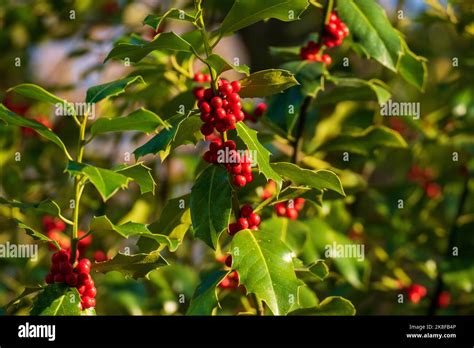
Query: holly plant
{"x":263,"y":161}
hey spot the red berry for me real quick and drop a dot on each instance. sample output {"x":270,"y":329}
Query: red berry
{"x":207,"y":129}
{"x":228,"y":261}
{"x":199,"y":77}
{"x":242,"y":224}
{"x":207,"y":78}
{"x":254,"y":219}
{"x":226,"y":89}
{"x":198,"y":93}
{"x":221,"y":127}
{"x":87,"y":302}
{"x":230,"y":144}
{"x":444,"y":299}
{"x":65,"y":268}
{"x":246,"y":210}
{"x":55,"y":268}
{"x":71,"y":279}
{"x":240,"y":181}
{"x":208,"y":93}
{"x":232,"y":229}
{"x":60,"y":256}
{"x":236,"y":169}
{"x":280,"y":209}
{"x":91,"y":292}
{"x":59,"y":278}
{"x":205,"y":107}
{"x":84,"y":242}
{"x":248,"y":177}
{"x":84,"y":266}
{"x":236,"y":86}
{"x":220,"y":113}
{"x":81,"y":289}
{"x":239,"y":116}
{"x":432,"y":190}
{"x":260,"y":109}
{"x":100,"y":256}
{"x":292,"y":213}
{"x":225,"y":283}
{"x":299,"y":203}
{"x":216,"y":102}
{"x":326,"y":58}
{"x":49,"y":279}
{"x":234,"y":97}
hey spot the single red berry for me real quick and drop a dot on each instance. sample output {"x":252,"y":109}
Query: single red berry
{"x":49,"y":279}
{"x":444,"y":299}
{"x":198,"y":93}
{"x":207,"y":78}
{"x":208,"y":93}
{"x":326,"y":59}
{"x":225,"y":283}
{"x":220,"y":113}
{"x":205,"y":107}
{"x":260,"y":109}
{"x":228,"y":261}
{"x":236,"y":169}
{"x":254,"y":219}
{"x":81,"y":289}
{"x":221,"y":127}
{"x":216,"y":102}
{"x":236,"y":86}
{"x":280,"y":209}
{"x":226,"y":89}
{"x":60,"y":256}
{"x":65,"y":267}
{"x":84,"y":266}
{"x":232,"y":228}
{"x":91,"y":292}
{"x":88,"y":302}
{"x":239,"y":180}
{"x":199,"y":77}
{"x":246,"y":210}
{"x":71,"y":279}
{"x":248,"y":177}
{"x":59,"y":278}
{"x":230,"y":144}
{"x":292,"y":213}
{"x":432,"y":190}
{"x":100,"y":256}
{"x":242,"y":224}
{"x":207,"y":129}
{"x":55,"y":268}
{"x":234,"y":98}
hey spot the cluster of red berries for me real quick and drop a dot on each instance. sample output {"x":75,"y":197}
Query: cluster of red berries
{"x":240,"y":167}
{"x":290,"y":208}
{"x":416,"y":292}
{"x":231,"y":281}
{"x":247,"y":219}
{"x":334,"y":33}
{"x":424,"y":177}
{"x":202,"y":78}
{"x":63,"y":271}
{"x":55,"y":227}
{"x":219,"y":111}
{"x":259,"y":110}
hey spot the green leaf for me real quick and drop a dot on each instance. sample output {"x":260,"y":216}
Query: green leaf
{"x":292,"y":232}
{"x":36,"y":235}
{"x":266,"y":82}
{"x":279,"y":111}
{"x":317,"y":179}
{"x":57,"y":299}
{"x":168,"y":41}
{"x":377,"y":87}
{"x":140,"y":120}
{"x":205,"y":299}
{"x":249,"y":137}
{"x":183,"y":128}
{"x":173,"y":13}
{"x":308,"y":74}
{"x":26,"y":292}
{"x":106,"y":181}
{"x":286,"y":53}
{"x":47,"y":206}
{"x":220,"y":65}
{"x":322,"y":236}
{"x":334,"y":305}
{"x":110,"y":89}
{"x":247,"y":12}
{"x":365,"y":142}
{"x":372,"y":29}
{"x":211,"y":204}
{"x":317,"y":269}
{"x":413,"y":68}
{"x":135,"y":266}
{"x":174,"y":222}
{"x":141,"y":174}
{"x":292,"y":192}
{"x":40,"y":94}
{"x":102,"y":224}
{"x":265,"y":267}
{"x":10,"y":118}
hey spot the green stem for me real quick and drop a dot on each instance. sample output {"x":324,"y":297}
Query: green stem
{"x":259,"y":305}
{"x":78,"y":189}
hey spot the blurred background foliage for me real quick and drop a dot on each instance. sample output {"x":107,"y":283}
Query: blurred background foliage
{"x":61,"y":45}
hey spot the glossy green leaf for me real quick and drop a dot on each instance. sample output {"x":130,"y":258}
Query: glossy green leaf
{"x":140,"y":120}
{"x":372,"y":29}
{"x":26,"y":292}
{"x":317,"y":269}
{"x":265,"y":268}
{"x":47,"y":206}
{"x":40,"y":94}
{"x":266,"y":82}
{"x":220,"y":65}
{"x":413,"y":68}
{"x":140,"y":174}
{"x":284,"y":108}
{"x":286,"y":53}
{"x":102,"y":225}
{"x":57,"y":299}
{"x":262,"y":160}
{"x":183,"y":129}
{"x":135,"y":266}
{"x":211,"y":204}
{"x":168,"y":41}
{"x":292,"y":232}
{"x":10,"y":118}
{"x":173,"y":13}
{"x":377,"y":87}
{"x":334,"y":305}
{"x":110,"y":89}
{"x":107,"y":182}
{"x":365,"y":142}
{"x":317,"y":179}
{"x":247,"y":12}
{"x":36,"y":235}
{"x":308,"y":74}
{"x":205,"y":299}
